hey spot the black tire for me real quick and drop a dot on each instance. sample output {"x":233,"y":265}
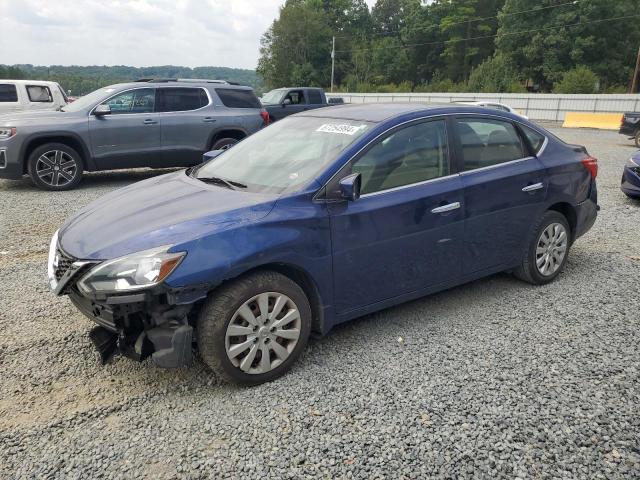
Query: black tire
{"x":528,"y":270}
{"x":224,"y":144}
{"x":65,"y":165}
{"x":638,"y":139}
{"x":218,"y":311}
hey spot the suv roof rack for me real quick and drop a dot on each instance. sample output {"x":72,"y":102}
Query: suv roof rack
{"x":185,"y":80}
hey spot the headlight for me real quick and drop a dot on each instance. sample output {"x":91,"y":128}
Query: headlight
{"x":51,"y":264}
{"x":131,"y":272}
{"x":7,"y":132}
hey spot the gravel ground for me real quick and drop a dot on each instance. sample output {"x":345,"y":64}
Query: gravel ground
{"x":494,"y":379}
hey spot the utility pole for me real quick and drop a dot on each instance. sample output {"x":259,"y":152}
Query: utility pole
{"x":333,"y":61}
{"x":636,"y":75}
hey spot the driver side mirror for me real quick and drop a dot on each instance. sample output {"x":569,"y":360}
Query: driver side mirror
{"x":211,"y":155}
{"x":101,"y":110}
{"x":350,"y":187}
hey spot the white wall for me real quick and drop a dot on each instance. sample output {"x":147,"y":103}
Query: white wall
{"x":537,"y":106}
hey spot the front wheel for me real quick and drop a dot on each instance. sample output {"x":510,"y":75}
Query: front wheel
{"x":55,"y":166}
{"x":252,"y":330}
{"x":547,"y":250}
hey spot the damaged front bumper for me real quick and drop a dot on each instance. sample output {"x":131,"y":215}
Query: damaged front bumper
{"x":142,"y":325}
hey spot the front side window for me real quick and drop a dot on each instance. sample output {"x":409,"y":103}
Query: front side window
{"x":8,"y":93}
{"x":181,"y":99}
{"x":296,"y":97}
{"x":141,"y":100}
{"x":487,"y":142}
{"x":410,"y":155}
{"x":287,"y":154}
{"x":39,"y":94}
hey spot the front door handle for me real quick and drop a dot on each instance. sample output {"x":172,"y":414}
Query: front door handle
{"x":209,"y":120}
{"x":533,"y":188}
{"x":150,"y":121}
{"x":446,"y":208}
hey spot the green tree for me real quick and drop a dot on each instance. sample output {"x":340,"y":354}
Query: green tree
{"x":578,"y":80}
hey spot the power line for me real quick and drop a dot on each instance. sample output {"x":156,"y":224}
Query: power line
{"x":473,"y":20}
{"x":519,"y":32}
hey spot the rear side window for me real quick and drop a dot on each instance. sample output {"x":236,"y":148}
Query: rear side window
{"x":314,"y":97}
{"x":8,"y":93}
{"x":488,"y":142}
{"x":236,"y":98}
{"x":535,"y":139}
{"x":181,"y":99}
{"x":39,"y":93}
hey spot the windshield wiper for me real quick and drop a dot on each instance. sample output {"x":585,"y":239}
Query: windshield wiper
{"x":221,"y":181}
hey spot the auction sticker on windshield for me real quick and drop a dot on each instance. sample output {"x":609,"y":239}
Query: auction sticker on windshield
{"x":342,"y":129}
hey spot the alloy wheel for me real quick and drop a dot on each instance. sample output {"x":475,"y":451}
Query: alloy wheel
{"x":551,"y":249}
{"x":263,"y":333}
{"x":56,"y":168}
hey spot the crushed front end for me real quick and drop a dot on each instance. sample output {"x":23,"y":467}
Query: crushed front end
{"x":155,"y":321}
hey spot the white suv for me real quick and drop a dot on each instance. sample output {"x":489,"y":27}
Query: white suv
{"x":30,"y":95}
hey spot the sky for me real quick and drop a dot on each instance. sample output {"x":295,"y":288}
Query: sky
{"x":138,"y":33}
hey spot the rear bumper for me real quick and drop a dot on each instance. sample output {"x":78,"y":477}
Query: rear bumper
{"x":587,"y":212}
{"x":627,"y":130}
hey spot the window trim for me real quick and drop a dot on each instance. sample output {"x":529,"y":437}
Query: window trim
{"x":158,"y":89}
{"x":27,"y":87}
{"x":322,"y":195}
{"x":154,"y":88}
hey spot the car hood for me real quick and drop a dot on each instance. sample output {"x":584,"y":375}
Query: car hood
{"x":164,"y":210}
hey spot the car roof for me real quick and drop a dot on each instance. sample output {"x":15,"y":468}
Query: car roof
{"x":170,"y":83}
{"x":29,"y":82}
{"x":378,"y":112}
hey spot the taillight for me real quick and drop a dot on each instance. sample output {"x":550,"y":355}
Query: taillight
{"x":591,"y":164}
{"x":265,"y":117}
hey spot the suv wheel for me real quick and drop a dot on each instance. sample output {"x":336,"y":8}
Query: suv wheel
{"x":224,"y":144}
{"x":55,"y":166}
{"x":638,"y":138}
{"x":547,"y":250}
{"x":252,"y":330}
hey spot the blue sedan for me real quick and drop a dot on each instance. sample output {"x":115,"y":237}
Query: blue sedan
{"x":630,"y":184}
{"x":320,"y":218}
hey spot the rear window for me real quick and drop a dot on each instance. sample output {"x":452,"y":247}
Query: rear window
{"x":236,"y":98}
{"x":181,"y":99}
{"x":39,"y":93}
{"x":535,"y":139}
{"x":314,"y":97}
{"x":8,"y":93}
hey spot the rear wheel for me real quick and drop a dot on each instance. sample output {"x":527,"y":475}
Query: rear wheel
{"x":254,"y":329}
{"x":224,"y":144}
{"x":55,"y":166}
{"x":547,"y":250}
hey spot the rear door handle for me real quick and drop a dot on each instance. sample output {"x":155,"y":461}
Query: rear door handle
{"x":533,"y":188}
{"x":446,"y":208}
{"x":150,"y":121}
{"x":209,"y":120}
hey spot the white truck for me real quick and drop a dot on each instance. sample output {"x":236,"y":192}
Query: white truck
{"x":30,"y":95}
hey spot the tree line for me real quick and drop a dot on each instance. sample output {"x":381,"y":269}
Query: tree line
{"x":579,"y":46}
{"x":82,"y":80}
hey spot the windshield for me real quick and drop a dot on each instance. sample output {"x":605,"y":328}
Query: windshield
{"x":274,"y":97}
{"x":287,"y":154}
{"x":88,"y":101}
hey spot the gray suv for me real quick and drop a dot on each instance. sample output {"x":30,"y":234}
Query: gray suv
{"x":149,"y":123}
